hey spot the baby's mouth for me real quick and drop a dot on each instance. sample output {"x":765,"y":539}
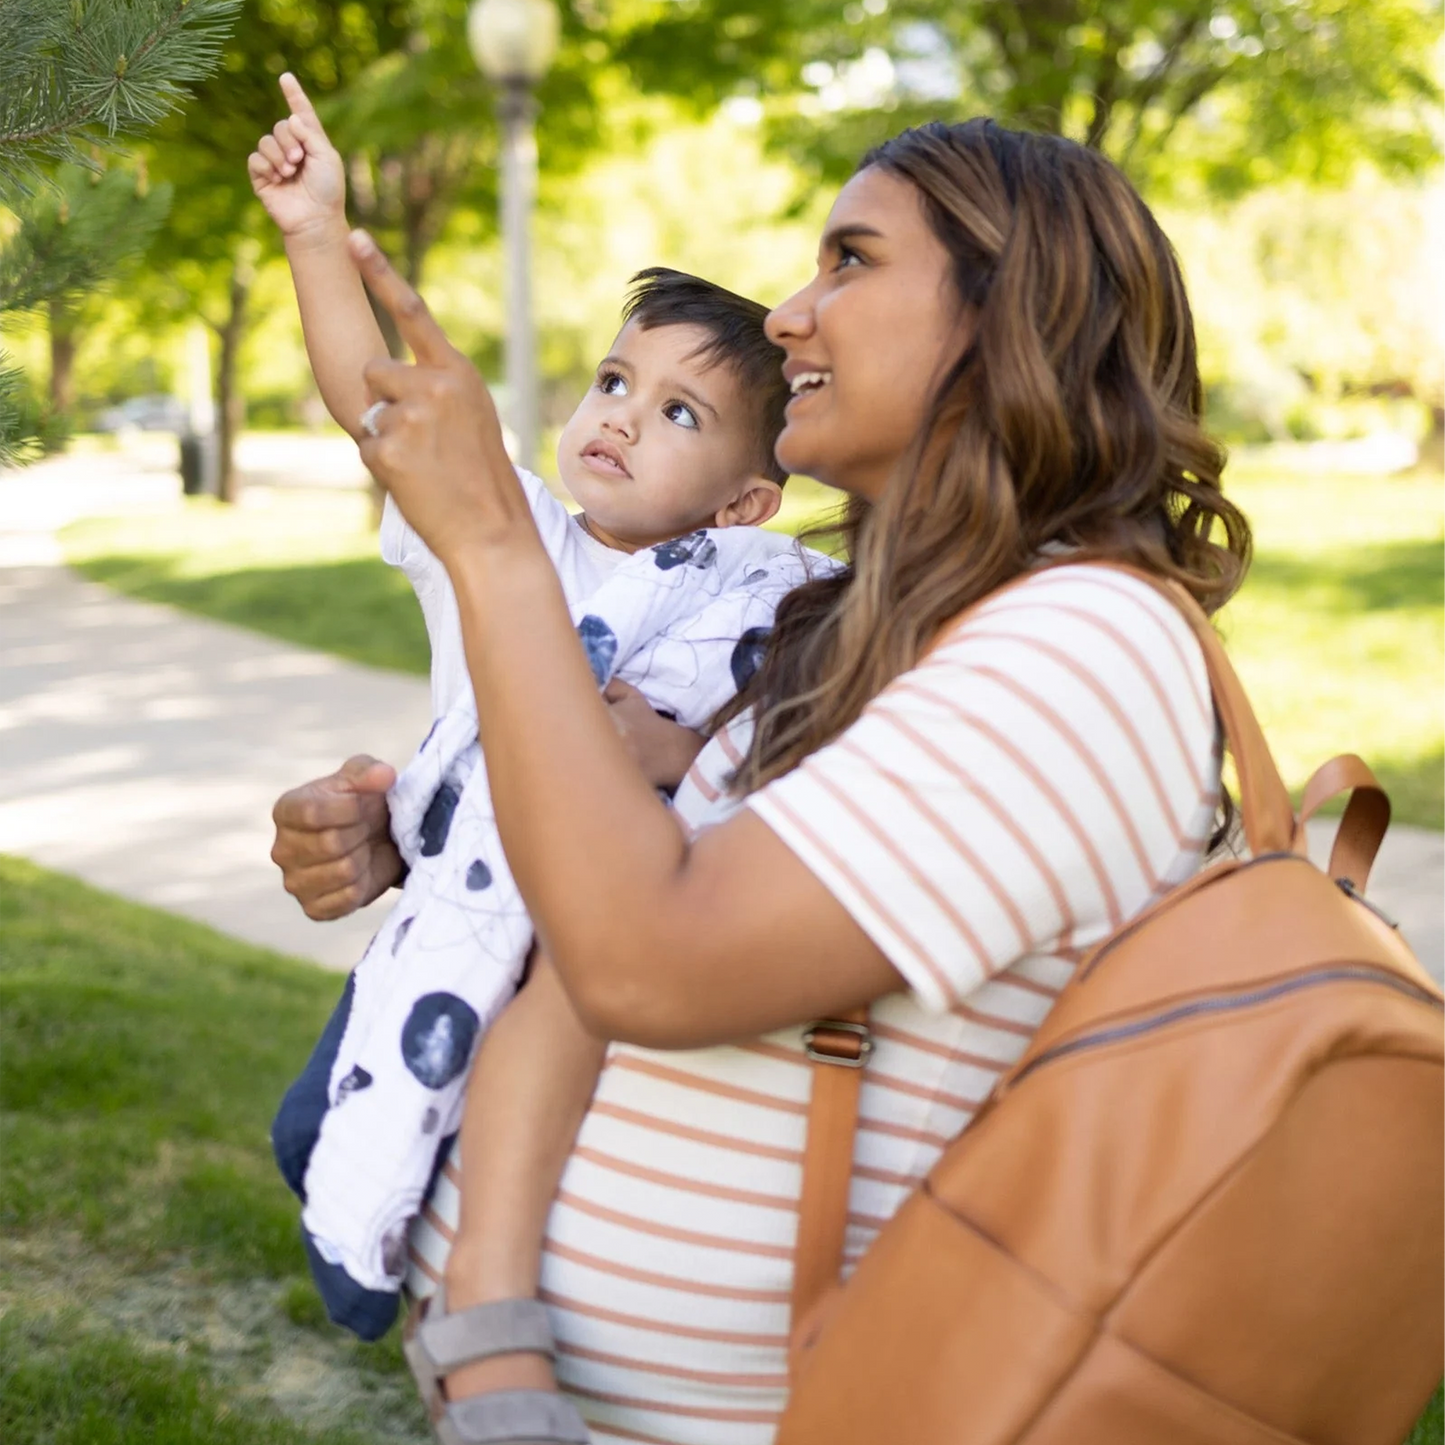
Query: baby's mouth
{"x":605,"y":458}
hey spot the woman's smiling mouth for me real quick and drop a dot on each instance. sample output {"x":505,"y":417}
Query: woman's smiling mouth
{"x":804,"y":380}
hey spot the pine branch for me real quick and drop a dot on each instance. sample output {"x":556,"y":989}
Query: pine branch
{"x":76,"y":73}
{"x":15,"y":445}
{"x":76,"y":235}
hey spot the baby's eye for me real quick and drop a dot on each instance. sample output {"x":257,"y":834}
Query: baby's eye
{"x":681,"y":414}
{"x":612,"y":383}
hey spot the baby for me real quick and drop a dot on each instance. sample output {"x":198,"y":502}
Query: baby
{"x":672,"y":587}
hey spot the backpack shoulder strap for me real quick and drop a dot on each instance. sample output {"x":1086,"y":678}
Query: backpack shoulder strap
{"x":1264,"y":803}
{"x":838,"y":1048}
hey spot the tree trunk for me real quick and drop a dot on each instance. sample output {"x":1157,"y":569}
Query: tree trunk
{"x":1432,"y":449}
{"x":63,"y":344}
{"x":230,"y":403}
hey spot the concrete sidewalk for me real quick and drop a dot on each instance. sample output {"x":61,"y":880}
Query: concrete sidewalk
{"x":141,"y":749}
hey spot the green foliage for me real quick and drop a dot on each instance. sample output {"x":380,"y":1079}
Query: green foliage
{"x":1318,"y":311}
{"x":1234,"y":94}
{"x":79,"y":72}
{"x":82,"y":229}
{"x":74,"y":78}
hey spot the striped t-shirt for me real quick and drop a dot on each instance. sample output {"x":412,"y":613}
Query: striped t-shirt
{"x":1049,"y":769}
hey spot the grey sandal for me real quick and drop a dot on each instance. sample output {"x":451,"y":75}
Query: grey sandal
{"x":441,"y":1342}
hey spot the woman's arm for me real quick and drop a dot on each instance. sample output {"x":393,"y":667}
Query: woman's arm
{"x":657,"y":940}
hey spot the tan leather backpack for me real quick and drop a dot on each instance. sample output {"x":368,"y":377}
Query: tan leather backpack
{"x":1204,"y":1208}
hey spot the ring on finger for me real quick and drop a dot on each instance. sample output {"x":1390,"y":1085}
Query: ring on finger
{"x":371,"y":416}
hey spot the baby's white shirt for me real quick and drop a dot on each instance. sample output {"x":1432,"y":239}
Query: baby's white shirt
{"x":582,"y":564}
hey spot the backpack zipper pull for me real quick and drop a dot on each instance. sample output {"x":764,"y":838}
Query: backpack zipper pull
{"x":1347,"y":887}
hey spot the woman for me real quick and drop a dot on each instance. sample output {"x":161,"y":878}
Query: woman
{"x":935,"y":814}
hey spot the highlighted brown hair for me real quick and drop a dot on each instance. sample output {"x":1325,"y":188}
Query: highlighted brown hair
{"x":1072,"y":419}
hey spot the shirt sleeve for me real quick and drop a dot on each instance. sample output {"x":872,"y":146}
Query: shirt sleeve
{"x":1048,"y":770}
{"x":401,"y":546}
{"x":549,"y":513}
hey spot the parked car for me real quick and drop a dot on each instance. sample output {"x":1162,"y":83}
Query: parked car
{"x":145,"y":413}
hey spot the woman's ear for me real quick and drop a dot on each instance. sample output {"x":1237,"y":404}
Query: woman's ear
{"x":758,"y":502}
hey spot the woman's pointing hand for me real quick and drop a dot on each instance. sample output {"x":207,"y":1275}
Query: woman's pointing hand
{"x":436,"y":444}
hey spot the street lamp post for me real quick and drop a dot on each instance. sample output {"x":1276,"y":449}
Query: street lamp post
{"x":513,"y":42}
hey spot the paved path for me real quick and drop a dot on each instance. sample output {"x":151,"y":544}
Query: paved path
{"x":142,"y":748}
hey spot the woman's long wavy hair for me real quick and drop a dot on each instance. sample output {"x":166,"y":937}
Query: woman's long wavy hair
{"x":1070,"y":420}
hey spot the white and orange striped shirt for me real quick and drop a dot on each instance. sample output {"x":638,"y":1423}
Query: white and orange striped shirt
{"x":1048,"y":770}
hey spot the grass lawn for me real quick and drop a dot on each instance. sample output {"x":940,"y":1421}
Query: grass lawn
{"x":152,"y":1288}
{"x":152,"y":1284}
{"x":1339,"y":633}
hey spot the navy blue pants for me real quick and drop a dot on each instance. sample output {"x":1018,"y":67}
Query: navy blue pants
{"x":365,"y":1312}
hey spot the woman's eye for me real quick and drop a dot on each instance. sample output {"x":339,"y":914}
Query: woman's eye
{"x":684,"y":416}
{"x":847,"y":257}
{"x":612,"y":383}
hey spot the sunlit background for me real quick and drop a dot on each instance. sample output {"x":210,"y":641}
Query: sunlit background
{"x":1291,"y":150}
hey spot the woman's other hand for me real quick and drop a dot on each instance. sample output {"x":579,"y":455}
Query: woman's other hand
{"x":333,"y":839}
{"x":664,"y":750}
{"x":436,"y":445}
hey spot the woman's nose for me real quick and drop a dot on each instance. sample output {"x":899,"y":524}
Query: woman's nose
{"x":791,"y":320}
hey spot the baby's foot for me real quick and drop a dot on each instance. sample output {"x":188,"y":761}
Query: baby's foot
{"x":484,"y":1370}
{"x":521,"y":1370}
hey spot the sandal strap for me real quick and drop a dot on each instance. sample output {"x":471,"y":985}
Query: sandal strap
{"x":512,"y":1417}
{"x":504,"y":1327}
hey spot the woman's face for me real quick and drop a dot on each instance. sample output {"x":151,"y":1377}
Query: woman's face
{"x":868,"y":338}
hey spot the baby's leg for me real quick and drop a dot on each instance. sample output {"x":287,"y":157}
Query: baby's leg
{"x":530,"y":1086}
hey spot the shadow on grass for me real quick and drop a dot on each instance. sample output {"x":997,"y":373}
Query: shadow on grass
{"x":1379,"y":578}
{"x":358,"y":608}
{"x":144,"y":1056}
{"x":62,"y":1384}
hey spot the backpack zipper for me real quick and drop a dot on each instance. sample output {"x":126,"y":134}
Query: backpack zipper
{"x":1226,"y":1003}
{"x":1347,"y":887}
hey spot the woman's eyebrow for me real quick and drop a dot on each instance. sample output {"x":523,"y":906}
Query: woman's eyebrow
{"x":835,"y":237}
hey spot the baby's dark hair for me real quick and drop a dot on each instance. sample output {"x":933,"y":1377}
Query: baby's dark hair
{"x":734,"y":326}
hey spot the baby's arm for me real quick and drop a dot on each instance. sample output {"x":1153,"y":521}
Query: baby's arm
{"x":299,"y":177}
{"x":530,"y":1086}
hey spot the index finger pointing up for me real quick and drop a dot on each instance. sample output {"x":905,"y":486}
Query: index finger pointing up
{"x":418,"y":327}
{"x":297,"y":98}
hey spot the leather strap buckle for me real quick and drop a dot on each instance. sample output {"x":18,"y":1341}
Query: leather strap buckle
{"x":830,"y":1051}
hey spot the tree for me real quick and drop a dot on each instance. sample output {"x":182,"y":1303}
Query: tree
{"x":1220,"y":93}
{"x":376,"y":70}
{"x":74,"y":80}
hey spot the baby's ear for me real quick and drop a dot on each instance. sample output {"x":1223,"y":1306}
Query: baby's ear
{"x":756,"y":503}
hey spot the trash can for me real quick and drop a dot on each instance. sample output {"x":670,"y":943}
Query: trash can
{"x":200,"y":474}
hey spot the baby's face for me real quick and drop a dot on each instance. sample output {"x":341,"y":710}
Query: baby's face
{"x":663,"y":439}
